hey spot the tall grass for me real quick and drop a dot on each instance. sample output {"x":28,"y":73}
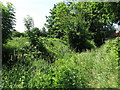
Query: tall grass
{"x":90,"y":69}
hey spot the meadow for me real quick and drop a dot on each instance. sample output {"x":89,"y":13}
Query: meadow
{"x":77,"y":47}
{"x":96,"y":68}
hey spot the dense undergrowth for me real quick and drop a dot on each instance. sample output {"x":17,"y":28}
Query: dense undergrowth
{"x":30,"y":67}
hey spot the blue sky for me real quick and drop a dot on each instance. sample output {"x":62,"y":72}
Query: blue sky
{"x":37,"y":9}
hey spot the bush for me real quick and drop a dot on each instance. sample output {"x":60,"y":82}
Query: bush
{"x":17,"y":34}
{"x":79,"y":39}
{"x":89,"y":44}
{"x":13,"y":49}
{"x":91,"y":69}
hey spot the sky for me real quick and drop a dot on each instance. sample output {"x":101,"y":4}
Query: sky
{"x":37,"y":9}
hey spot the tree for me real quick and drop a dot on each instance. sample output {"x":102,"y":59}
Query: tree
{"x":56,"y":21}
{"x":68,"y":23}
{"x":114,"y":9}
{"x":100,"y":19}
{"x":43,"y":32}
{"x":78,"y":35}
{"x":15,"y":33}
{"x":8,"y":21}
{"x":29,"y":23}
{"x":81,"y":23}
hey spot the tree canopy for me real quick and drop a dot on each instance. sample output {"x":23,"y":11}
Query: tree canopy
{"x":29,"y":23}
{"x":95,"y":19}
{"x":8,"y":21}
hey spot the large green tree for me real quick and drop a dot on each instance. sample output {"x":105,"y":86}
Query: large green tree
{"x":56,"y":21}
{"x":114,"y":9}
{"x":101,"y":16}
{"x":8,"y":21}
{"x":81,"y":22}
{"x":68,"y":23}
{"x":100,"y":21}
{"x":79,"y":36}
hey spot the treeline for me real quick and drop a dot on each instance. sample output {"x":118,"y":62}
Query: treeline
{"x":79,"y":23}
{"x":82,"y":25}
{"x":50,"y":58}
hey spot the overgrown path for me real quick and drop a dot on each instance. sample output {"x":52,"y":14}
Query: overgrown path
{"x":91,"y":69}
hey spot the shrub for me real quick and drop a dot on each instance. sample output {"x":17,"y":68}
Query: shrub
{"x":90,"y":69}
{"x":11,"y":50}
{"x":17,"y":34}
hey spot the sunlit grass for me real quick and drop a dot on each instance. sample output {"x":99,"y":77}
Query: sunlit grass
{"x":90,"y":69}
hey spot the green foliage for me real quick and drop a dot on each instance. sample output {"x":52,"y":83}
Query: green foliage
{"x":78,"y":34}
{"x":23,"y":76}
{"x":56,"y":46}
{"x":37,"y":32}
{"x":56,"y":21}
{"x":70,"y":26}
{"x":34,"y":34}
{"x":37,"y":45}
{"x":8,"y":21}
{"x":38,"y":61}
{"x":29,"y":23}
{"x":18,"y":34}
{"x":44,"y":32}
{"x":113,"y":47}
{"x":98,"y":70}
{"x":91,"y":69}
{"x":13,"y":49}
{"x":95,"y":17}
{"x":113,"y":9}
{"x":46,"y":48}
{"x":100,"y":19}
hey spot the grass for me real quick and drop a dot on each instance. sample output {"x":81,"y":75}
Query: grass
{"x":90,"y":69}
